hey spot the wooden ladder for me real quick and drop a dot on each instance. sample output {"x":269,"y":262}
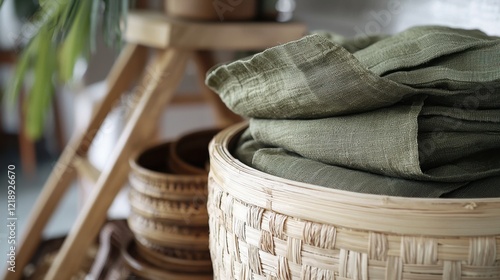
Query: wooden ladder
{"x":173,"y":43}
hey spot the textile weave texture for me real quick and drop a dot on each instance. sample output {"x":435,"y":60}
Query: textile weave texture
{"x":416,"y":114}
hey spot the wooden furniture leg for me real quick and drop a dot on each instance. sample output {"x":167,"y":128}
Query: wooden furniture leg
{"x":167,"y":67}
{"x":58,"y":125}
{"x":127,"y":68}
{"x":27,"y":149}
{"x":224,"y":117}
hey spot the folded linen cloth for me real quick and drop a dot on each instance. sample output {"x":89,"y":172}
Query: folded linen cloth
{"x":415,"y":114}
{"x":279,"y":162}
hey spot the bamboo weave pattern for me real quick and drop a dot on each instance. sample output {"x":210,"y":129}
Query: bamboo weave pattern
{"x":249,"y":239}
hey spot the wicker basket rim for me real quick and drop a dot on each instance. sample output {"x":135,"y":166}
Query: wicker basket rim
{"x":181,"y":140}
{"x":142,"y":171}
{"x":277,"y":194}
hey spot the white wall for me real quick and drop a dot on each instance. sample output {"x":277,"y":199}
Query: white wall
{"x":347,"y":17}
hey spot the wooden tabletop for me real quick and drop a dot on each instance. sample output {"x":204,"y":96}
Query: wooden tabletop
{"x":155,"y":29}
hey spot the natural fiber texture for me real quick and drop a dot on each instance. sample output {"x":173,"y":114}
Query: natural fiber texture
{"x":168,"y":235}
{"x":175,"y":260}
{"x":189,"y":154}
{"x":314,"y":77}
{"x":168,"y":217}
{"x":46,"y":254}
{"x":150,"y":176}
{"x":421,"y":108}
{"x":145,"y":270}
{"x":266,"y":227}
{"x":178,"y":212}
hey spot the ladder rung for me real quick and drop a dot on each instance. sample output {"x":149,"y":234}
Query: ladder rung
{"x":86,"y":169}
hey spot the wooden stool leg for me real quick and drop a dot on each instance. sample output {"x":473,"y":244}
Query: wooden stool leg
{"x":224,"y":117}
{"x":168,"y":66}
{"x":124,"y":72}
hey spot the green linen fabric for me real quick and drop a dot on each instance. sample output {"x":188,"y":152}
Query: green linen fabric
{"x":414,"y":114}
{"x":295,"y":167}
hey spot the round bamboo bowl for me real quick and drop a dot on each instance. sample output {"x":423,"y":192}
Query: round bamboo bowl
{"x":175,"y":259}
{"x":189,"y":154}
{"x":184,"y":212}
{"x":145,"y":270}
{"x":266,"y":227}
{"x":151,"y":176}
{"x":168,"y":235}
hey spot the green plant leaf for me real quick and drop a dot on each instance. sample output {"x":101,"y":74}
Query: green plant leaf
{"x":48,"y":16}
{"x":68,"y":16}
{"x":41,"y":92}
{"x":94,"y":20}
{"x":107,"y":20}
{"x":122,"y":19}
{"x":22,"y":67}
{"x":1,"y":2}
{"x":25,"y":9}
{"x":76,"y":42}
{"x":68,"y":26}
{"x":114,"y":12}
{"x":43,"y":3}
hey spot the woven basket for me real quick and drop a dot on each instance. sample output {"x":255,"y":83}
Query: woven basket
{"x":168,"y":235}
{"x":265,"y":227}
{"x":174,"y":259}
{"x":184,"y":212}
{"x":151,"y":176}
{"x":144,"y":270}
{"x":169,"y":218}
{"x":189,"y":154}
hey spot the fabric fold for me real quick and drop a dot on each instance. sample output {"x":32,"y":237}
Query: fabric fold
{"x":281,"y":163}
{"x":414,"y":114}
{"x":314,"y":77}
{"x":366,"y":141}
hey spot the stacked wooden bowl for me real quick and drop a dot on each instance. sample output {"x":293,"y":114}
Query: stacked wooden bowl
{"x":168,"y":197}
